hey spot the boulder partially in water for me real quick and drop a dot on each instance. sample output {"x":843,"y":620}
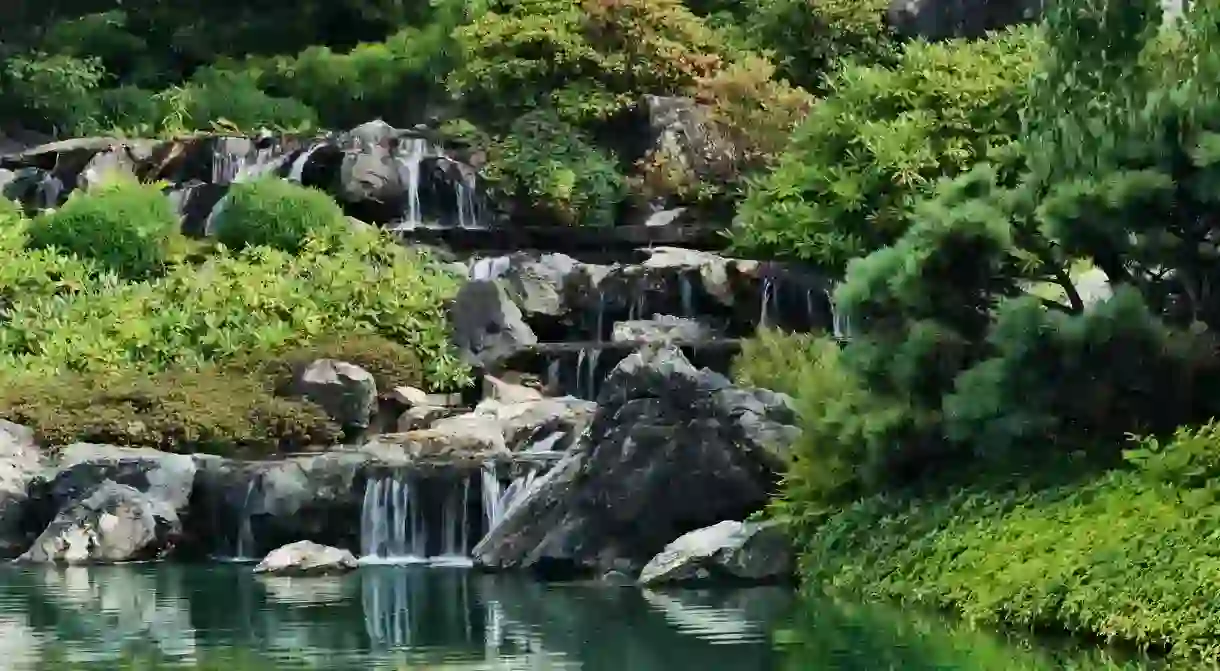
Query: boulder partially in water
{"x":20,"y":462}
{"x":670,"y":449}
{"x":307,"y":558}
{"x":729,"y":550}
{"x":113,"y":523}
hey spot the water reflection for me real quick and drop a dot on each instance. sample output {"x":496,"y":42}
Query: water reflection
{"x":224,"y":618}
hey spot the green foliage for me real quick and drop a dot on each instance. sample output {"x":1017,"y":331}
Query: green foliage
{"x":279,"y":214}
{"x":390,"y":363}
{"x":846,"y":183}
{"x":66,"y":314}
{"x":550,"y":165}
{"x":813,"y":38}
{"x":205,"y":409}
{"x":126,"y":226}
{"x":1121,"y":559}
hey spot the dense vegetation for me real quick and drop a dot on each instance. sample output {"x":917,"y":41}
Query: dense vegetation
{"x":970,"y":448}
{"x":116,"y":329}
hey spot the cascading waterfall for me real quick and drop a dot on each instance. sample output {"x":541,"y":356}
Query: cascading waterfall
{"x":297,"y":171}
{"x":456,"y":523}
{"x":409,"y":172}
{"x":840,"y":325}
{"x":391,"y":521}
{"x":768,"y":297}
{"x":688,"y":295}
{"x":246,"y":547}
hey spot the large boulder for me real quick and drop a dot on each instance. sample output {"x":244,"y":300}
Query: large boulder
{"x":20,"y":462}
{"x":345,"y":391}
{"x":730,"y":550}
{"x":113,"y":523}
{"x":487,"y":324}
{"x":670,"y":449}
{"x":305,"y":558}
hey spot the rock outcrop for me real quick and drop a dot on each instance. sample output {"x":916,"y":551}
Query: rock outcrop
{"x":305,"y":558}
{"x":670,"y":449}
{"x":733,"y":551}
{"x":20,"y":462}
{"x":345,"y":391}
{"x":113,"y":523}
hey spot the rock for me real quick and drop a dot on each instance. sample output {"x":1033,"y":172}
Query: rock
{"x":496,"y":389}
{"x":526,"y":423}
{"x":422,"y":417}
{"x":345,"y":391}
{"x":942,"y":19}
{"x":683,"y":138}
{"x":110,"y":164}
{"x":307,"y":558}
{"x":409,"y":396}
{"x":749,"y":551}
{"x":487,"y":324}
{"x":298,"y":498}
{"x":114,"y":523}
{"x":466,"y":437}
{"x":538,"y":285}
{"x":715,"y":272}
{"x":661,"y":328}
{"x":82,"y":467}
{"x":670,"y":449}
{"x":20,"y":461}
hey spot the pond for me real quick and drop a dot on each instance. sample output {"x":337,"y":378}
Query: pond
{"x":220,"y":616}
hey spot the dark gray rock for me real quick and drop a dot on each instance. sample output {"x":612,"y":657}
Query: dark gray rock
{"x":738,"y":551}
{"x":106,"y":165}
{"x":487,"y":324}
{"x":113,"y":523}
{"x":82,"y":467}
{"x":345,"y":391}
{"x":942,"y":19}
{"x":670,"y":449}
{"x":683,"y":136}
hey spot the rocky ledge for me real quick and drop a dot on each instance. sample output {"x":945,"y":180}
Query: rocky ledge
{"x":560,"y":486}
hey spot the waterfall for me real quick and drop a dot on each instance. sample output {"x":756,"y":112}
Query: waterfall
{"x":490,"y":268}
{"x":492,"y":495}
{"x":688,"y":297}
{"x":468,"y":212}
{"x":769,"y":299}
{"x":586,"y":372}
{"x":246,"y":547}
{"x":409,"y":172}
{"x":409,"y":517}
{"x":498,"y":501}
{"x":298,"y":164}
{"x":839,"y":323}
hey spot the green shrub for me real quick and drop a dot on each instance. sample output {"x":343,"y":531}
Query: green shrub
{"x":277,"y":213}
{"x":1123,"y":559}
{"x":878,"y":141}
{"x":66,"y":315}
{"x":553,"y":168}
{"x":207,"y":409}
{"x":127,"y":227}
{"x":391,"y":364}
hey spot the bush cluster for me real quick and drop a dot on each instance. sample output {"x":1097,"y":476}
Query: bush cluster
{"x":1125,"y":558}
{"x":109,"y":334}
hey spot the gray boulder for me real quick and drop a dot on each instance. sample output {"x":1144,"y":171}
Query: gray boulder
{"x":670,"y":449}
{"x":661,"y":328}
{"x":487,"y":324}
{"x":305,"y":558}
{"x":345,"y":391}
{"x":20,"y":463}
{"x":114,"y":523}
{"x":741,"y":551}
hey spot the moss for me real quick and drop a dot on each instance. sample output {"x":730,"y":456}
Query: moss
{"x":391,"y":364}
{"x":222,"y":411}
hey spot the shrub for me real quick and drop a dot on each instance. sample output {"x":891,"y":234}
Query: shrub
{"x":555,"y":169}
{"x":1121,"y":559}
{"x":278,"y":214}
{"x":207,"y":409}
{"x":878,"y":141}
{"x":848,"y":434}
{"x":254,"y":301}
{"x":126,"y":226}
{"x":391,"y":364}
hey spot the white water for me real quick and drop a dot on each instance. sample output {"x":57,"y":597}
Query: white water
{"x":409,"y":170}
{"x":297,"y":171}
{"x":490,"y":268}
{"x":392,"y":523}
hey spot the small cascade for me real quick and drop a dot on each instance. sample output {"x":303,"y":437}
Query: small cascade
{"x":687,"y":291}
{"x":409,"y":517}
{"x":297,"y":171}
{"x":490,"y":268}
{"x":469,"y":214}
{"x":768,"y":302}
{"x":493,"y":495}
{"x":246,"y":549}
{"x":498,"y":500}
{"x":409,"y":164}
{"x":839,"y":323}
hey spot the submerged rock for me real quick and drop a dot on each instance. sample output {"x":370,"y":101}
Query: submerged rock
{"x":114,"y":523}
{"x":670,"y":449}
{"x":748,"y":551}
{"x":307,"y":558}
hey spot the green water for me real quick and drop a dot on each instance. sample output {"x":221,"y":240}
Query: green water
{"x":223,"y":618}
